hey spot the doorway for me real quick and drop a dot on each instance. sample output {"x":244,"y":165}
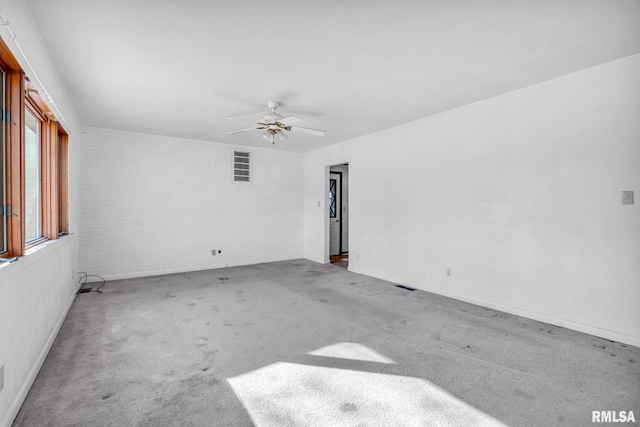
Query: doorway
{"x":338,"y":212}
{"x":335,"y":213}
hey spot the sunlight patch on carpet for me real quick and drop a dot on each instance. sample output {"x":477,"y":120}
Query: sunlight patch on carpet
{"x":351,"y":350}
{"x":286,"y":394}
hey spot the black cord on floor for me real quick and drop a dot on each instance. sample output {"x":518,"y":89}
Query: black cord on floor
{"x":86,"y":278}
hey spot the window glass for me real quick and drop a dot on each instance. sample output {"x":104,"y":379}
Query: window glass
{"x":332,"y":198}
{"x":32,"y":224}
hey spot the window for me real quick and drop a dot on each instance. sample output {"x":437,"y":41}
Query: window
{"x":3,"y":218}
{"x":62,"y":184}
{"x":32,"y":199}
{"x":10,"y":153}
{"x":332,"y":198}
{"x":33,"y":162}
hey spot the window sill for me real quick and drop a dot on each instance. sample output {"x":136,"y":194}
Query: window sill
{"x":34,"y":245}
{"x":33,"y":255}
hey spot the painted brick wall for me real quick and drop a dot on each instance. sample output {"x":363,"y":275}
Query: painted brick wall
{"x":154,"y":205}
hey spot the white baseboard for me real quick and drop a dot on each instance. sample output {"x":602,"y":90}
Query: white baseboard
{"x":162,"y":272}
{"x":556,"y":321}
{"x":24,"y":390}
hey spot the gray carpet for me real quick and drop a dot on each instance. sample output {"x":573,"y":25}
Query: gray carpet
{"x":300,"y":343}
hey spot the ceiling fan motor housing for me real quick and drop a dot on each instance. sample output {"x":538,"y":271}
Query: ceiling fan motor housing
{"x":270,"y":118}
{"x":274,"y":124}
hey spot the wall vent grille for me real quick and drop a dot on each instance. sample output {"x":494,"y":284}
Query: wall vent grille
{"x":241,"y":166}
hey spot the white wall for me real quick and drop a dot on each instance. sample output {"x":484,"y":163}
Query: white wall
{"x":520,"y":195}
{"x":155,"y":205}
{"x":37,"y":290}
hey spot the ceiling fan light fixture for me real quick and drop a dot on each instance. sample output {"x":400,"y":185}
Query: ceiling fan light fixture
{"x":282,"y":137}
{"x":275,"y":124}
{"x":274,"y":135}
{"x":269,"y":137}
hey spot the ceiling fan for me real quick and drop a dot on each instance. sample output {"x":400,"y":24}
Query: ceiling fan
{"x":275,"y":124}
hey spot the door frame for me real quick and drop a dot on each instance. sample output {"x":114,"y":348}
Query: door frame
{"x":325,"y":198}
{"x":338,"y":209}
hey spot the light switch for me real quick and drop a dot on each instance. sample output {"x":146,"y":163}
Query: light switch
{"x":627,"y":197}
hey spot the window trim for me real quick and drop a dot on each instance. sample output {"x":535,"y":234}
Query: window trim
{"x":20,"y":95}
{"x":14,"y":153}
{"x":63,"y":181}
{"x":42,"y":137}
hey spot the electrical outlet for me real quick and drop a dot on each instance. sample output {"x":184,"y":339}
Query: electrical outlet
{"x":627,"y":198}
{"x":448,"y":272}
{"x":1,"y":377}
{"x":214,"y":252}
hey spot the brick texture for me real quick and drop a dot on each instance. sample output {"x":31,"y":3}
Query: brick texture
{"x":154,"y":205}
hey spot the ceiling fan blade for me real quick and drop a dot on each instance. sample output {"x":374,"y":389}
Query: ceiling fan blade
{"x":241,"y":130}
{"x":237,"y":119}
{"x":289,"y":120}
{"x":316,"y":132}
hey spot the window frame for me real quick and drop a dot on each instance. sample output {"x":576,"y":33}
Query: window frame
{"x":14,"y":104}
{"x":63,"y":181}
{"x":20,"y":95}
{"x":41,"y":166}
{"x":3,"y":221}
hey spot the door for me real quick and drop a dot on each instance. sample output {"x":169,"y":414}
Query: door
{"x":335,"y":181}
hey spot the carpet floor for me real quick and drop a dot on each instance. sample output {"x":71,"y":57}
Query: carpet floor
{"x":300,"y":343}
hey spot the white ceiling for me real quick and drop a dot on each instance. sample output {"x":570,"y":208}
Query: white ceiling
{"x":181,"y":68}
